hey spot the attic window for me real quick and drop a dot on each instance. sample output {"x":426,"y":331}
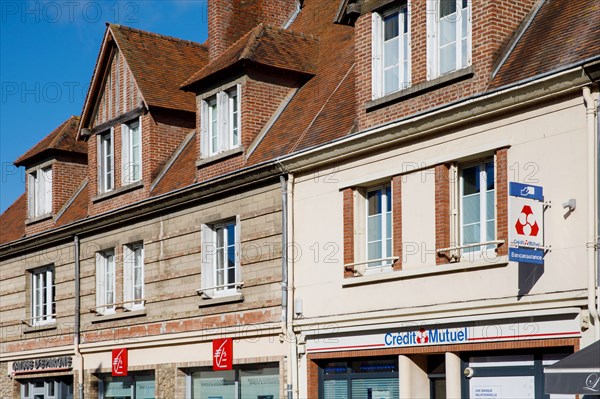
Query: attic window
{"x":39,"y":192}
{"x":221,"y":122}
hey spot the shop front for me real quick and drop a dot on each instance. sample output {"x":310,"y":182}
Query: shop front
{"x":494,"y":358}
{"x":44,"y":378}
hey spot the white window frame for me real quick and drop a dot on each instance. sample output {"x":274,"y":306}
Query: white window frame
{"x":378,"y":265}
{"x":211,"y":286}
{"x":105,"y":280}
{"x":221,"y":122}
{"x":130,"y":168}
{"x":133,"y":258}
{"x":484,"y":251}
{"x":378,"y":50}
{"x":42,"y":282}
{"x":39,"y":192}
{"x":434,"y":22}
{"x":106,"y":162}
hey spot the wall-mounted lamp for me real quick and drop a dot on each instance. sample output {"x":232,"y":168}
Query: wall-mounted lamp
{"x":571,"y":204}
{"x":298,"y":307}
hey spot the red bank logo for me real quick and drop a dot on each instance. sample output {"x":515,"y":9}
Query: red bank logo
{"x":223,"y":354}
{"x":119,"y":362}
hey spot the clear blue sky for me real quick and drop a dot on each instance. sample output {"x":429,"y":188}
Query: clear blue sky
{"x":48,"y":50}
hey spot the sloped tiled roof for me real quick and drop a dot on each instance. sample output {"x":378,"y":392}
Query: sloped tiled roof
{"x":562,"y":33}
{"x":324,"y":108}
{"x":264,"y":45}
{"x":159,"y":64}
{"x":182,"y":172}
{"x":12,"y":221}
{"x":77,"y":209}
{"x":61,"y":139}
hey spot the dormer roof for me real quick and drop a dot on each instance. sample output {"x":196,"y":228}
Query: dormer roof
{"x":264,"y":45}
{"x":158,"y":64}
{"x":60,"y":141}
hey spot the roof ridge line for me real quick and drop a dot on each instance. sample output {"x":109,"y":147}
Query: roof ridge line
{"x":159,"y":35}
{"x":66,"y":206}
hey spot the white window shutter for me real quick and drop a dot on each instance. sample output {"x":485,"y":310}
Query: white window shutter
{"x":140,"y":149}
{"x":376,"y":65}
{"x":31,"y":189}
{"x":223,"y":121}
{"x":238,"y":98}
{"x":238,"y":249}
{"x":208,"y":255}
{"x":204,"y":120}
{"x":112,"y":158}
{"x":47,"y":178}
{"x":100,"y":187}
{"x":432,"y":22}
{"x":128,"y":262}
{"x":100,"y":283}
{"x":125,"y":161}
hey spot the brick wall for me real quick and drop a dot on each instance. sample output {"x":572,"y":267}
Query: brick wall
{"x":442,"y":211}
{"x":493,"y":24}
{"x":502,"y":200}
{"x":228,"y":20}
{"x":397,"y":220}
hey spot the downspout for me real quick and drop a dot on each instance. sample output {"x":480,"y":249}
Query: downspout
{"x":284,"y":280}
{"x":293,"y":341}
{"x":77,"y":332}
{"x":592,"y":221}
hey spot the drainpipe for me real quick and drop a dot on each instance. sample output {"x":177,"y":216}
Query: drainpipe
{"x":592,"y":222}
{"x":293,"y":341}
{"x":77,"y":332}
{"x":284,"y":280}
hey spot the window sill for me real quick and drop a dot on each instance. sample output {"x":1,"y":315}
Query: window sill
{"x":219,"y":156}
{"x":421,"y":88}
{"x":457,"y":267}
{"x":118,"y":191}
{"x":38,"y":219}
{"x":119,"y":316}
{"x":221,"y":300}
{"x":42,"y":327}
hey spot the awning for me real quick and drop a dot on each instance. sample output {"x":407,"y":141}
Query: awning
{"x":578,"y":373}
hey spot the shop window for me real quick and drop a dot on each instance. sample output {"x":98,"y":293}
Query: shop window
{"x":130,"y":387}
{"x":244,"y":382}
{"x":368,"y":378}
{"x":59,"y":388}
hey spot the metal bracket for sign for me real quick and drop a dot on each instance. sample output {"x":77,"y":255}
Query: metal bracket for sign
{"x":546,"y":249}
{"x":547,"y":204}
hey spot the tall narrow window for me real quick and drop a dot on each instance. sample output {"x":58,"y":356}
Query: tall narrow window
{"x":105,"y":162}
{"x":221,"y":122}
{"x":391,"y":51}
{"x":133,"y":276}
{"x":220,"y":258}
{"x":478,"y":205}
{"x":43,"y":307}
{"x":40,"y":192}
{"x":105,"y":282}
{"x":449,"y":36}
{"x":131,"y":152}
{"x":379,"y":226}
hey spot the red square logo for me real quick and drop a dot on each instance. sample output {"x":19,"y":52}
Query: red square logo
{"x":119,"y":362}
{"x":223,"y":354}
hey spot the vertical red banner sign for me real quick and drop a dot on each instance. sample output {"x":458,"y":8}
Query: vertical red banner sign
{"x":223,"y":354}
{"x":119,"y":362}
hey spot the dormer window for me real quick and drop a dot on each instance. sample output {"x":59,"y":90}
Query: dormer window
{"x":132,"y":152}
{"x":40,"y":192}
{"x":106,"y":166}
{"x":449,"y":36}
{"x":391,"y":51}
{"x":221,"y":122}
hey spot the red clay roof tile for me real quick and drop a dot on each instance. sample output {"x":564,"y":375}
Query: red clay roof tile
{"x":12,"y":221}
{"x":61,"y":139}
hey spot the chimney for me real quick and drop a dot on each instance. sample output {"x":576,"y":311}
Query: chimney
{"x":229,"y":20}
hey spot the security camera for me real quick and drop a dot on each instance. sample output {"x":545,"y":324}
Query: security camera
{"x":570,"y":204}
